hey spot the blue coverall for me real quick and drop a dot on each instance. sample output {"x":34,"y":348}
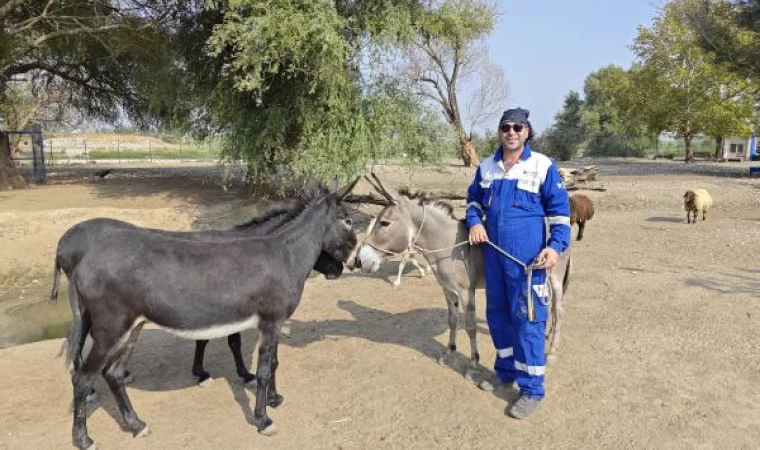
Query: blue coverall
{"x":514,"y":206}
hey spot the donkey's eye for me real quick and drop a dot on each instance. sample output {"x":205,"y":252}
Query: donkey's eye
{"x":384,"y":223}
{"x":348,"y":222}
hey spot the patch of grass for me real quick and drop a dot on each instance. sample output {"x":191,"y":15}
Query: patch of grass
{"x":186,"y":153}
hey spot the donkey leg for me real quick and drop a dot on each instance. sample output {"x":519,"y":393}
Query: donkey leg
{"x":418,"y":266}
{"x":581,"y":226}
{"x":82,"y":384}
{"x":86,"y":324}
{"x":452,"y":301}
{"x":236,"y":348}
{"x":401,"y":266}
{"x":471,"y":326}
{"x":267,"y":347}
{"x":198,"y":370}
{"x":273,"y":398}
{"x":121,"y":369}
{"x":114,"y":377}
{"x":84,"y":377}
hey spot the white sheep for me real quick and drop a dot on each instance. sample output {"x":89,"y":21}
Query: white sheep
{"x":696,"y":200}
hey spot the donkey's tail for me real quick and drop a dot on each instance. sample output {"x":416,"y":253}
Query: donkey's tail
{"x":80,"y":326}
{"x":56,"y":280}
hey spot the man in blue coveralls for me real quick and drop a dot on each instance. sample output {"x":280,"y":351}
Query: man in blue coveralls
{"x":514,"y":193}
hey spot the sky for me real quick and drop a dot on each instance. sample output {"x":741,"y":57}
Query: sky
{"x":548,"y":47}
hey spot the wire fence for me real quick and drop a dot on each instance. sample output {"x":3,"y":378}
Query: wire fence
{"x":83,"y":150}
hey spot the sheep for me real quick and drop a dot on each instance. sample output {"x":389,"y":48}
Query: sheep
{"x":696,"y":200}
{"x":581,"y":210}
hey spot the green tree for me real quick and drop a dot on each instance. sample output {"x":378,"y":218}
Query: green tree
{"x":94,"y":51}
{"x":681,"y":88}
{"x":291,"y":91}
{"x":609,"y":120}
{"x":447,"y":57}
{"x":730,"y":31}
{"x":564,"y":137}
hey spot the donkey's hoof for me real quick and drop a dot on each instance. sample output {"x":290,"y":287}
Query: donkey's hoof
{"x":275,"y":400}
{"x":443,"y":359}
{"x":145,"y":432}
{"x":486,"y":385}
{"x":268,"y":429}
{"x":202,"y":376}
{"x":470,"y":376}
{"x":128,"y":378}
{"x":86,"y":444}
{"x":92,"y":397}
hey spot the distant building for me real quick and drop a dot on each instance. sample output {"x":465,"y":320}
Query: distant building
{"x":738,"y":148}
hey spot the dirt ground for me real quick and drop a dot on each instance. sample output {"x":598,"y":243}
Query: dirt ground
{"x":661,"y":343}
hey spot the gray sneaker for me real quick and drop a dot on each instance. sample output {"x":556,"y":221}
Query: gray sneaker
{"x":524,"y":406}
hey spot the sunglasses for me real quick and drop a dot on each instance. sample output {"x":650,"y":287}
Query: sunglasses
{"x":518,"y":127}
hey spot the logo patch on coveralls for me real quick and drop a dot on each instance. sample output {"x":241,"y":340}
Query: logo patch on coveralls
{"x":529,"y":181}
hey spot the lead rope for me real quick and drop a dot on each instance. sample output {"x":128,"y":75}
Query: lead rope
{"x":528,"y":269}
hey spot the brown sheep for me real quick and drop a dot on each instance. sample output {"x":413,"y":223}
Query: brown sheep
{"x":581,"y":210}
{"x":696,"y":200}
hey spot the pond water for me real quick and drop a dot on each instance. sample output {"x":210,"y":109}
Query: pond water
{"x":26,"y":315}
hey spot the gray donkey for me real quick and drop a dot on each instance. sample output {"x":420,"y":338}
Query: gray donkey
{"x":429,"y":227}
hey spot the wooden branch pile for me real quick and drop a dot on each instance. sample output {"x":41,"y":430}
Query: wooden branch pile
{"x":583,"y":178}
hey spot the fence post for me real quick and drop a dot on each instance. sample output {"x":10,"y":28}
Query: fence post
{"x":180,"y":150}
{"x":52,"y":156}
{"x":85,"y":150}
{"x":150,"y":150}
{"x":118,"y":150}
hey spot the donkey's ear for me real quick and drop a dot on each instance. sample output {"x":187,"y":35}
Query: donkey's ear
{"x":343,"y":192}
{"x":389,"y":193}
{"x":380,"y":190}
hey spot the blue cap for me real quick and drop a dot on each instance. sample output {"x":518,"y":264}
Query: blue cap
{"x":517,"y":115}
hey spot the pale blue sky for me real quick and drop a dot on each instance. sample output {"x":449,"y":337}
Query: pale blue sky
{"x":547,"y":48}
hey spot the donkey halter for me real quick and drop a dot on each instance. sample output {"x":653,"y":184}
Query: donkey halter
{"x":527,"y":268}
{"x":412,"y":244}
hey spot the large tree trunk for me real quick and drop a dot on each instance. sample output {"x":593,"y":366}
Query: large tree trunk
{"x":689,"y":151}
{"x":10,"y":178}
{"x":468,"y":153}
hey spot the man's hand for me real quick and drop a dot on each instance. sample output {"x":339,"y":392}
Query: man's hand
{"x":547,"y":259}
{"x":478,"y":234}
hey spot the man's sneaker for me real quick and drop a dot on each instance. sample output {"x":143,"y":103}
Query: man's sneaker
{"x":524,"y":406}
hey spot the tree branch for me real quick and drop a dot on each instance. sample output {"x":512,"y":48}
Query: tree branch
{"x":57,"y":71}
{"x":436,"y":85}
{"x":82,"y":30}
{"x":29,"y":23}
{"x":8,"y":8}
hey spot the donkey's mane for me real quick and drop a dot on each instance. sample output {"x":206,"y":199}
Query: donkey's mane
{"x":423,"y":199}
{"x":286,"y":210}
